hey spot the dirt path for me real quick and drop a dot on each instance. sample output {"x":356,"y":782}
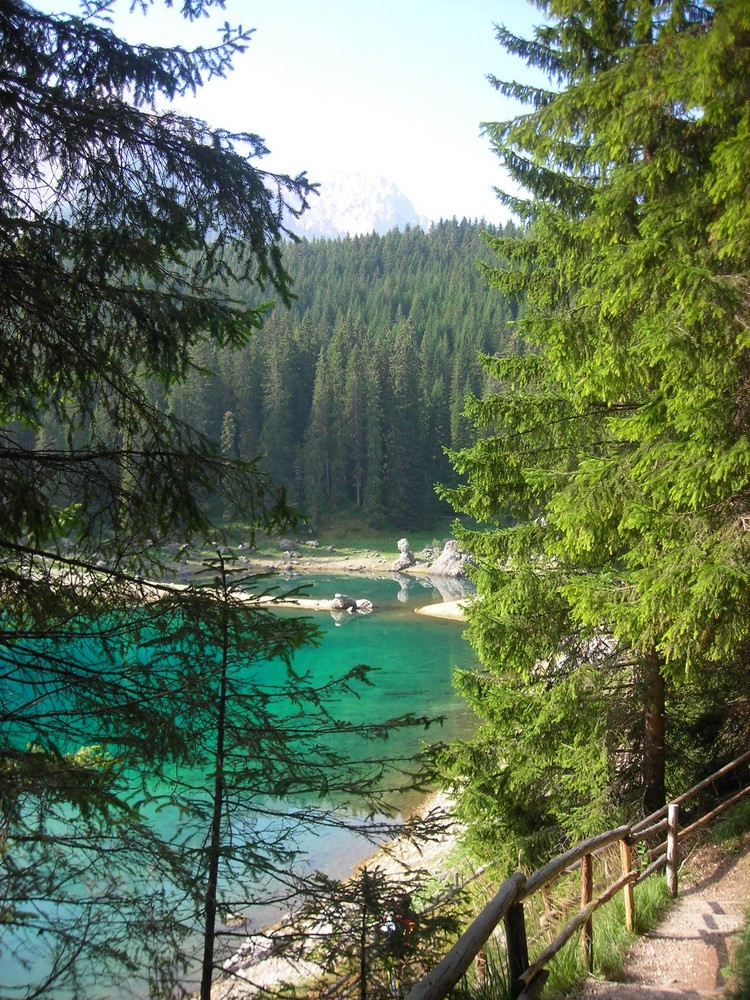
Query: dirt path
{"x":683,"y":956}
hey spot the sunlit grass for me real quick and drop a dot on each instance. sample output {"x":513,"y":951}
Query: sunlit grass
{"x":730,"y":832}
{"x":611,"y":939}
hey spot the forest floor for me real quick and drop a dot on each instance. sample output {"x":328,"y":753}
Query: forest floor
{"x":687,"y":954}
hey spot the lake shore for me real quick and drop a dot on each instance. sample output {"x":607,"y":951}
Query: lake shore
{"x":357,"y":564}
{"x":317,"y":562}
{"x":253,"y":977}
{"x":449,"y":610}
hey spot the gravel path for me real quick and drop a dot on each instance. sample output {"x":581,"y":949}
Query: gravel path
{"x":683,"y":956}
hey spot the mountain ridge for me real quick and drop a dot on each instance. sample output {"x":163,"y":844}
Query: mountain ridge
{"x":356,"y":205}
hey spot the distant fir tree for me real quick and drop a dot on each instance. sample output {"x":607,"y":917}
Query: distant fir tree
{"x":350,"y":297}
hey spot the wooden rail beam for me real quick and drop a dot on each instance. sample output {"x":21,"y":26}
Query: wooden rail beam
{"x":449,"y":971}
{"x":712,"y":778}
{"x":652,"y":868}
{"x":649,"y":831}
{"x":709,"y":817}
{"x":570,"y":929}
{"x":558,"y":865}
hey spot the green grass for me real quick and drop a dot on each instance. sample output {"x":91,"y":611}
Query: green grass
{"x":730,"y":832}
{"x":351,"y":536}
{"x":611,"y":939}
{"x":738,"y":973}
{"x":567,"y":971}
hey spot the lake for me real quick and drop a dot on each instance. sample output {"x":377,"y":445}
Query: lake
{"x":413,"y":659}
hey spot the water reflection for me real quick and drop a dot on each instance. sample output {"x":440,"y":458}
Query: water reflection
{"x":452,"y":588}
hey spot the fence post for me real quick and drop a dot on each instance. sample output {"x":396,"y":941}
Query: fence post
{"x":587,"y":892}
{"x":518,"y":947}
{"x":626,"y":864}
{"x":673,"y":850}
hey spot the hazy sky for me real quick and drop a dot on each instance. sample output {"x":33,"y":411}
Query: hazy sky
{"x":391,"y":88}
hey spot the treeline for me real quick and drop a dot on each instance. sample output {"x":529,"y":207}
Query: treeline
{"x":352,"y":394}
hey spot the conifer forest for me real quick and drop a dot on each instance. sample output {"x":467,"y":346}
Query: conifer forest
{"x":573,"y":385}
{"x":352,"y":394}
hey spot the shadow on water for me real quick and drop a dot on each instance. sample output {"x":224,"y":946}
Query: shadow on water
{"x":412,"y":658}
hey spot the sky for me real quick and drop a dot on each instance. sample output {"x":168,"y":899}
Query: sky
{"x":383,"y":88}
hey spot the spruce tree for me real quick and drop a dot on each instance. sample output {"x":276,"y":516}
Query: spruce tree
{"x":615,"y":442}
{"x":129,"y":239}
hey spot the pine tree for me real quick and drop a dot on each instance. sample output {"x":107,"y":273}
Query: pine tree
{"x":616,"y":442}
{"x":404,"y":480}
{"x":125,"y":233}
{"x":354,"y":413}
{"x":319,"y":444}
{"x":374,"y":491}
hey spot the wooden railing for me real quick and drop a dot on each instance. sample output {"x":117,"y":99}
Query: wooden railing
{"x":528,"y":977}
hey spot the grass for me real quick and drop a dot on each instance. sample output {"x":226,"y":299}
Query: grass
{"x":730,"y":831}
{"x":567,"y":970}
{"x":738,"y":973}
{"x":612,"y":940}
{"x":351,"y":536}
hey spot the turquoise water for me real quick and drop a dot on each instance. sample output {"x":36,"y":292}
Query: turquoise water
{"x":413,"y":658}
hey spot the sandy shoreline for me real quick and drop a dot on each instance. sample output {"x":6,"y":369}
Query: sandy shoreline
{"x":339,"y":565}
{"x":249,"y":977}
{"x":450,"y":610}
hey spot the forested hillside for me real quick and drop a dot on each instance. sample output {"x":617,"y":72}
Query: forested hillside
{"x":351,"y":395}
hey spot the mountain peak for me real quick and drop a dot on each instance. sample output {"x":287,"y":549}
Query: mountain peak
{"x":354,"y":204}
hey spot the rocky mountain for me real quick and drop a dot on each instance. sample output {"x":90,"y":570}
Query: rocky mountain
{"x":354,"y":204}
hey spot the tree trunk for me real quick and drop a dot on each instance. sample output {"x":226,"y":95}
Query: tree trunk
{"x":214,"y":839}
{"x":653,"y":734}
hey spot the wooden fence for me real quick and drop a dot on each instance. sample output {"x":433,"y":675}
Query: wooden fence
{"x":528,"y":977}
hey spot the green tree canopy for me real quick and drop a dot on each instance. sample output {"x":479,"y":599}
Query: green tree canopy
{"x":125,"y":233}
{"x":129,"y":237}
{"x":617,"y":443}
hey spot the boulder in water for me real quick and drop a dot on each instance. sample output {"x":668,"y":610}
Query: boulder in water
{"x":342,"y":602}
{"x":451,"y":561}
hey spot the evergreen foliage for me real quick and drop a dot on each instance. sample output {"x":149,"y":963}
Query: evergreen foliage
{"x":615,"y":606}
{"x":126,"y":234}
{"x":409,"y":308}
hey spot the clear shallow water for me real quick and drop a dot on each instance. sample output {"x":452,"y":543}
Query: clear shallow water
{"x":413,"y":658}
